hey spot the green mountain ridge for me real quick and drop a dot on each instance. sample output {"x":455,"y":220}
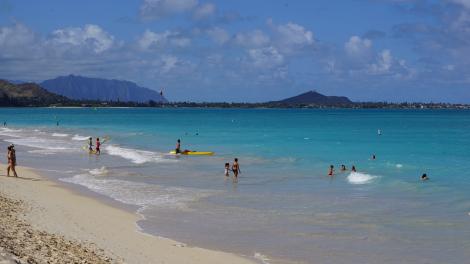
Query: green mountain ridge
{"x":27,"y":94}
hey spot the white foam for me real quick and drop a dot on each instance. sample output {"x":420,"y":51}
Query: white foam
{"x":263,"y":258}
{"x":399,"y":166}
{"x":360,"y":178}
{"x":59,"y":135}
{"x":4,"y":131}
{"x":140,"y":194}
{"x":99,"y":171}
{"x":136,"y":156}
{"x":41,"y":143}
{"x":79,"y":138}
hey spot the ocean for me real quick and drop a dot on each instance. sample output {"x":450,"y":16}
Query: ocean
{"x":284,"y":208}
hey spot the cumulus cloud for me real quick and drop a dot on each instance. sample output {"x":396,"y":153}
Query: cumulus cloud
{"x":266,"y":58}
{"x":204,"y":11}
{"x":156,"y":9}
{"x":150,"y":40}
{"x":383,"y":63}
{"x":357,"y":46}
{"x":16,"y":40}
{"x":255,"y":38}
{"x":291,"y":37}
{"x":91,"y":36}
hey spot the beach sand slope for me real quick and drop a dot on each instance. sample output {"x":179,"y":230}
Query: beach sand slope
{"x":66,"y":215}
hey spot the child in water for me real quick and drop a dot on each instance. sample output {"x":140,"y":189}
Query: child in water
{"x":353,"y":169}
{"x":98,"y":144}
{"x":227,"y":168}
{"x":90,"y":144}
{"x":330,"y":172}
{"x":343,"y":167}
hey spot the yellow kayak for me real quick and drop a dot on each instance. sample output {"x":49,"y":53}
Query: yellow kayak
{"x":194,"y":153}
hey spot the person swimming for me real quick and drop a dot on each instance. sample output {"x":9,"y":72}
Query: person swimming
{"x":353,"y":168}
{"x":424,"y":177}
{"x":343,"y":167}
{"x":373,"y":156}
{"x":331,"y":170}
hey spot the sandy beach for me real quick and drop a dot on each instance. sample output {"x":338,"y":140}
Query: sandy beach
{"x":43,"y":221}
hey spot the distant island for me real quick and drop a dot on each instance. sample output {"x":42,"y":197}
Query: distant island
{"x":85,"y":88}
{"x":73,"y":91}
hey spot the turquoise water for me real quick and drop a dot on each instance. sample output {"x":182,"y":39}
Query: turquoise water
{"x":284,"y":207}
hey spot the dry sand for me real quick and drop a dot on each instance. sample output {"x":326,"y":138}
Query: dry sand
{"x":90,"y":225}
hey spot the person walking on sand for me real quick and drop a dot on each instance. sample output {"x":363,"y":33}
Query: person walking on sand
{"x":11,"y":161}
{"x":98,"y":144}
{"x":236,"y":168}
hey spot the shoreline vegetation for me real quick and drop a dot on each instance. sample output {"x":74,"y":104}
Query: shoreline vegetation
{"x":45,"y":222}
{"x":32,"y":95}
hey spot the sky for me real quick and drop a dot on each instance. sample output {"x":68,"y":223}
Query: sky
{"x":247,"y":50}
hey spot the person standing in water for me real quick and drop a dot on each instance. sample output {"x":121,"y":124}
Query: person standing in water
{"x":353,"y":169}
{"x":235,"y":168}
{"x":227,"y":168}
{"x":90,"y":145}
{"x":11,"y":161}
{"x":178,"y":147}
{"x":98,"y":144}
{"x":331,"y":170}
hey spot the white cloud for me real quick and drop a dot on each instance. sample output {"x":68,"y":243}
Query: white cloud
{"x":268,"y":57}
{"x":204,"y":11}
{"x":151,"y":39}
{"x":17,"y":40}
{"x":356,"y":46}
{"x":91,"y":36}
{"x":155,"y":9}
{"x":383,"y":64}
{"x":291,"y":37}
{"x":255,"y":38}
{"x":218,"y":35}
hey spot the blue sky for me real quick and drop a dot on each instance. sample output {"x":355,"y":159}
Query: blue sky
{"x":258,"y":50}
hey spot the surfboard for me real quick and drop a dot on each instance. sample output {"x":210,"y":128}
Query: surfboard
{"x":194,"y":153}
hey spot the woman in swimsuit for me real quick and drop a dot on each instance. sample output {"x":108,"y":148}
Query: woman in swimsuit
{"x":235,"y":168}
{"x":11,"y":161}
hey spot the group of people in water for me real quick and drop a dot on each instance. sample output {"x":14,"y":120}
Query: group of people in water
{"x":234,"y":168}
{"x":331,"y":170}
{"x":97,"y":150}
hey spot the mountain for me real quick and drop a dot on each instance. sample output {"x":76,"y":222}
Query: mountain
{"x":313,"y":97}
{"x":27,"y":94}
{"x":84,"y":88}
